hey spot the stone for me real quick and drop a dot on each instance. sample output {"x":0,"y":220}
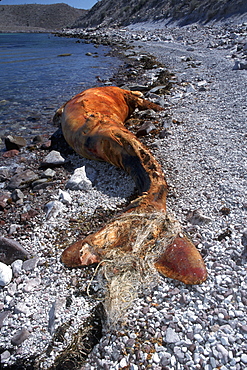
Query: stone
{"x":244,"y":358}
{"x":130,"y":343}
{"x":11,"y":289}
{"x":53,"y":209}
{"x":5,"y":356}
{"x":178,"y":353}
{"x":38,"y":139}
{"x":20,"y":337}
{"x":22,"y":308}
{"x":202,"y":83}
{"x":245,"y":48}
{"x":138,"y":88}
{"x":145,"y":129}
{"x":158,"y":89}
{"x":13,"y":228}
{"x":30,"y":264}
{"x":46,"y":145}
{"x":22,"y":179}
{"x":165,"y":359}
{"x":165,"y":133}
{"x":5,"y":198}
{"x":156,"y":358}
{"x":123,"y":363}
{"x":17,"y":194}
{"x":220,"y":348}
{"x":17,"y":267}
{"x":158,"y":99}
{"x":14,"y":142}
{"x":244,"y":328}
{"x":31,"y":284}
{"x":39,"y":182}
{"x":171,"y":336}
{"x":42,"y":184}
{"x":49,"y":173}
{"x":244,"y":238}
{"x":57,"y":305}
{"x":79,"y":180}
{"x":239,"y":66}
{"x":115,"y":354}
{"x":29,"y":215}
{"x":5,"y":274}
{"x":4,"y":173}
{"x":3,"y":316}
{"x":198,"y":338}
{"x":197,"y":218}
{"x":190,"y":89}
{"x":64,"y":197}
{"x":11,"y":153}
{"x":53,"y":159}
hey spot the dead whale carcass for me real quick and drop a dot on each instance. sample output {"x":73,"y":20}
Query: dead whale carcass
{"x":93,"y":125}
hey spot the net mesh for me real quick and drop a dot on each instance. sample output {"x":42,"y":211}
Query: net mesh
{"x":126,"y":274}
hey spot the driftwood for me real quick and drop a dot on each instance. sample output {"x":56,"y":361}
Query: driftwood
{"x":93,"y":125}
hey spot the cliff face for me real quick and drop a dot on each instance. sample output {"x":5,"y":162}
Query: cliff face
{"x":37,"y":17}
{"x":120,"y":12}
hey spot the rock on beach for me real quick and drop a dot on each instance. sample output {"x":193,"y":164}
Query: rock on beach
{"x":79,"y":180}
{"x":53,"y":159}
{"x":5,"y":274}
{"x":11,"y":250}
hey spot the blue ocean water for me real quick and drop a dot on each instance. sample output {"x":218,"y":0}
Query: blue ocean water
{"x":35,"y":79}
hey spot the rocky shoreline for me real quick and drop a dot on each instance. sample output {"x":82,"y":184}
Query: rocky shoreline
{"x":50,"y":197}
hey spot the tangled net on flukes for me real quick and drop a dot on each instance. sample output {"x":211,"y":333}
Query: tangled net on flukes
{"x":144,"y":239}
{"x":126,"y":274}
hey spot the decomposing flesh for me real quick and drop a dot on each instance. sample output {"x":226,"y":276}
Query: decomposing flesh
{"x":93,"y":125}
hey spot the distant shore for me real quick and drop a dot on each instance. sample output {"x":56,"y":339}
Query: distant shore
{"x":17,"y":29}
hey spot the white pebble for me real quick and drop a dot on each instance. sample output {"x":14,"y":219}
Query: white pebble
{"x":244,"y":358}
{"x":198,"y":338}
{"x":17,"y":267}
{"x":53,"y":208}
{"x":156,"y":358}
{"x":64,"y":197}
{"x":123,"y":363}
{"x":5,"y":274}
{"x":79,"y":180}
{"x":222,"y":349}
{"x":54,"y":158}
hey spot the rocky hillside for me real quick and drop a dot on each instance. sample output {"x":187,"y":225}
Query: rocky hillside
{"x":120,"y":12}
{"x":37,"y":17}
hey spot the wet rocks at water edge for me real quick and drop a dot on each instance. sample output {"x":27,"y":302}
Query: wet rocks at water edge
{"x":15,"y":142}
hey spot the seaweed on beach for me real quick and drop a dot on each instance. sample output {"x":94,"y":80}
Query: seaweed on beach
{"x":82,"y":343}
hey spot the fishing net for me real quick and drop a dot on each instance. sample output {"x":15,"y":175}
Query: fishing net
{"x":126,"y":274}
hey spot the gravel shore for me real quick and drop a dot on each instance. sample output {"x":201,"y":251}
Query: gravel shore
{"x":204,"y":156}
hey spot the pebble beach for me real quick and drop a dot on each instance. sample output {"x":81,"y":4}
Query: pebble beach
{"x":201,"y":145}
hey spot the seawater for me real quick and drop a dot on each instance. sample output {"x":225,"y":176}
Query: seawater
{"x":36,"y":78}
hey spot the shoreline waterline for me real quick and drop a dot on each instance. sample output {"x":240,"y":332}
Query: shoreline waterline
{"x":39,"y":72}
